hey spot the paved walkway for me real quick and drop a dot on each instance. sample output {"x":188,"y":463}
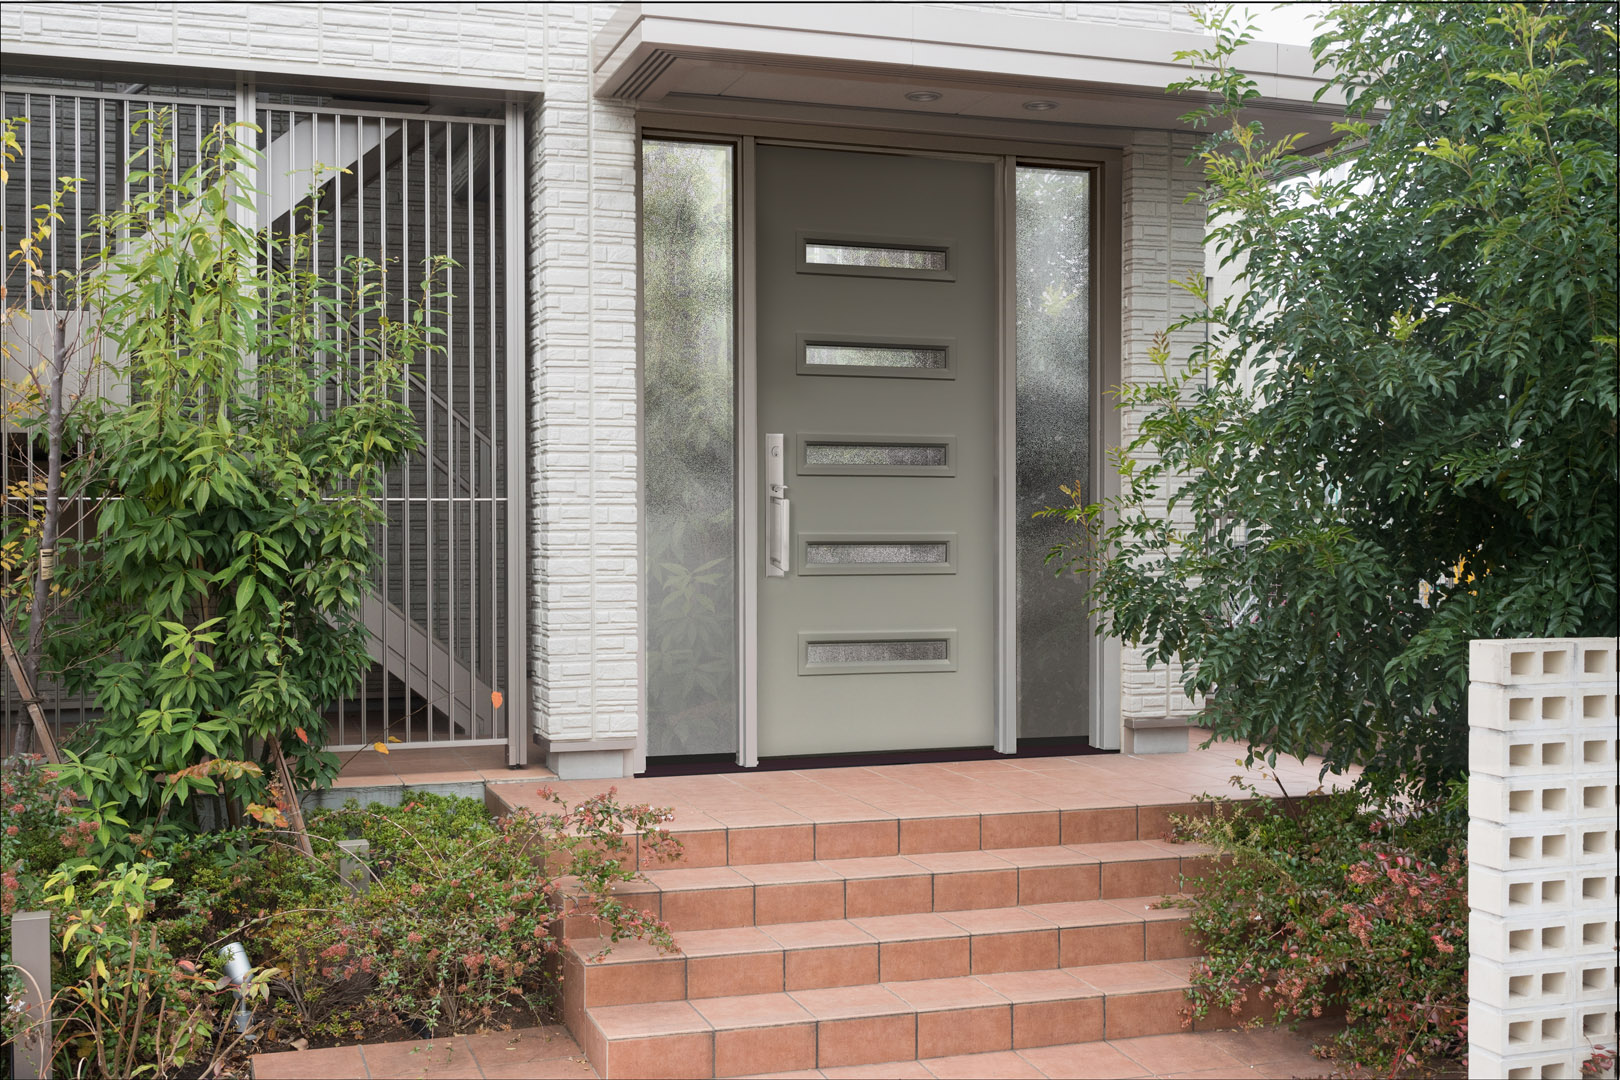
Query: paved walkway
{"x":547,"y":1053}
{"x":540,"y":1053}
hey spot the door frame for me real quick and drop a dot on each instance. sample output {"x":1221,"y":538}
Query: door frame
{"x":1005,"y":155}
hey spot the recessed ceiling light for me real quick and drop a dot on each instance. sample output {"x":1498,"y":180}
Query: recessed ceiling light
{"x":924,"y":95}
{"x":1040,"y":106}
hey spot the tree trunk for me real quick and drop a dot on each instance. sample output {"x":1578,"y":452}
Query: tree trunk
{"x":50,"y":527}
{"x":25,"y":690}
{"x":295,"y":812}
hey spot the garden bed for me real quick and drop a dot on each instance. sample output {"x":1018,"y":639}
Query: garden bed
{"x":1331,"y":906}
{"x":447,"y":925}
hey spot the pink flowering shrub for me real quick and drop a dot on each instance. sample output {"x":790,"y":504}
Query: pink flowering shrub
{"x":1329,"y":907}
{"x":40,"y":831}
{"x":459,"y":923}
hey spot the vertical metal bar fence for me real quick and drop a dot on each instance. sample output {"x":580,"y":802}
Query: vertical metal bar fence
{"x":401,"y":189}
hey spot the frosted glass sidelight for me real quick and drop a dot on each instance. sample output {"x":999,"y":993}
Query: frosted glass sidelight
{"x":1054,"y":223}
{"x":885,"y":356}
{"x":688,"y":293}
{"x":876,"y":652}
{"x":872,"y":255}
{"x":865,"y":553}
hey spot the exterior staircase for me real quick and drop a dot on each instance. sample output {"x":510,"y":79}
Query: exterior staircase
{"x":426,"y":667}
{"x":868,"y":942}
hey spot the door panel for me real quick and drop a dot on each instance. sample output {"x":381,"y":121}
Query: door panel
{"x":877,"y":351}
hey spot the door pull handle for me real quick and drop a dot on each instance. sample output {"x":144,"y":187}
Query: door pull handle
{"x":778,"y":510}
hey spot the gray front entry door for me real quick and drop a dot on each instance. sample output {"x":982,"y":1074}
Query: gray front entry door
{"x":876,"y":353}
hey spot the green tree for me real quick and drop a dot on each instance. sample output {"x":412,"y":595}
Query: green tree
{"x":215,"y":608}
{"x":1401,"y":433}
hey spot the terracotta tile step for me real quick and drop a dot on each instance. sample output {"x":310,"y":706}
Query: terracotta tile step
{"x":762,"y":831}
{"x":884,"y":1022}
{"x":711,"y":898}
{"x":787,"y":957}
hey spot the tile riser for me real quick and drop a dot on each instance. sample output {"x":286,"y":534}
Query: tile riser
{"x":678,"y":977}
{"x":901,"y":1036}
{"x":770,"y":904}
{"x":749,"y":845}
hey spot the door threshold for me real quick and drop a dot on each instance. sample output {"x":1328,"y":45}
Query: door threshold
{"x":701,"y":764}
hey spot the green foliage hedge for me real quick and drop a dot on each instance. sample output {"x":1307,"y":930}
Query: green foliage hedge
{"x":1401,"y":433}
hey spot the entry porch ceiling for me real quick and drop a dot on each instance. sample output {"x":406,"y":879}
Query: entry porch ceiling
{"x":984,"y":67}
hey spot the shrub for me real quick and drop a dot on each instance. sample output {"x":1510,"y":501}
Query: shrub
{"x":458,"y":922}
{"x":1327,"y":904}
{"x":41,"y":829}
{"x":214,"y":611}
{"x":457,"y":931}
{"x":1400,"y":434}
{"x":124,"y":1006}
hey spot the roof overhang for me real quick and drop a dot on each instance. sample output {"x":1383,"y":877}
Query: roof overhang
{"x":982,"y":65}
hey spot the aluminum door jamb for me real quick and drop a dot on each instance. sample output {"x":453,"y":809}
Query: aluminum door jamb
{"x":517,"y":441}
{"x":1006,"y":708}
{"x":636,"y":758}
{"x":748,"y":449}
{"x":1107,"y":363}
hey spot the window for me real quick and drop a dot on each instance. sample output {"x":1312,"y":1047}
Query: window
{"x":688,"y":327}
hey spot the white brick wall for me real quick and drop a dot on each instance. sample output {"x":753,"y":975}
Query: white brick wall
{"x":485,"y":45}
{"x":1163,"y":242}
{"x":1541,"y":855}
{"x":583,"y":547}
{"x":584,"y":569}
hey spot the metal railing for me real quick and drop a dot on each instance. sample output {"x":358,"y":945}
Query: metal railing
{"x":401,"y":187}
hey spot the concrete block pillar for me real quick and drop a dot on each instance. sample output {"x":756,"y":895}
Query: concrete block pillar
{"x":1541,"y":855}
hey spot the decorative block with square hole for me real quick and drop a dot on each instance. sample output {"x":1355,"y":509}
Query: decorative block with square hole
{"x":1533,"y":983}
{"x":1539,"y":936}
{"x":1529,"y":1066}
{"x":1541,"y":853}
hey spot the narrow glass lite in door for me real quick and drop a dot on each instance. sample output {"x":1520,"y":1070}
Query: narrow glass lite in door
{"x":869,"y":255}
{"x":874,"y":356}
{"x":844,"y":554}
{"x":876,"y":455}
{"x":861,"y":553}
{"x":910,"y":357}
{"x":874,"y":652}
{"x":873,"y":257}
{"x":893,"y":652}
{"x":859,"y":454}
